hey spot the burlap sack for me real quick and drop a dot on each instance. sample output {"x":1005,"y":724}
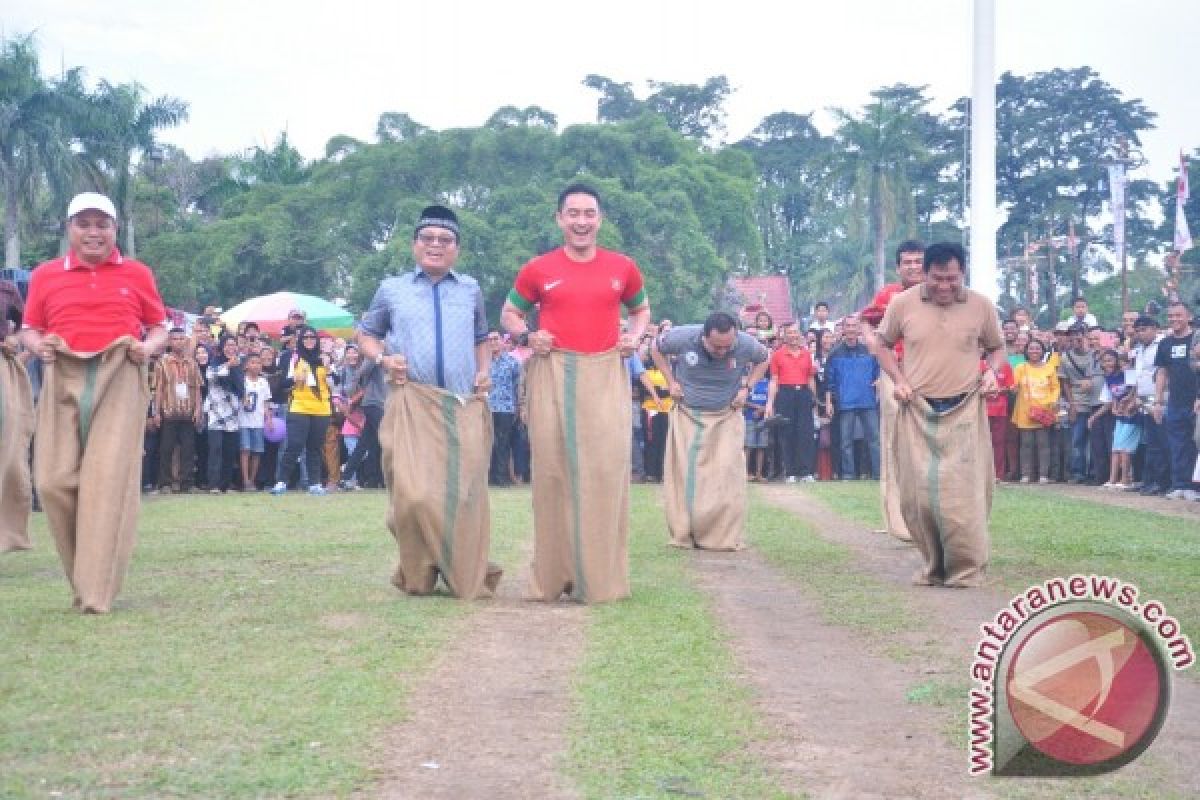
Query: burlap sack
{"x":946,"y":476}
{"x":436,"y":450}
{"x":87,"y":462}
{"x":704,"y":484}
{"x":889,"y":486}
{"x":579,"y":423}
{"x":16,"y":429}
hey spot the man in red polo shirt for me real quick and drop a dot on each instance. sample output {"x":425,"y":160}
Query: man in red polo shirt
{"x":85,"y":318}
{"x":578,"y":415}
{"x":791,"y":391}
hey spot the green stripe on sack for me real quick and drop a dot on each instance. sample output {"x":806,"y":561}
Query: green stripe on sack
{"x":87,"y":399}
{"x":935,"y":465}
{"x":689,"y":485}
{"x":453,"y":457}
{"x":571,"y":421}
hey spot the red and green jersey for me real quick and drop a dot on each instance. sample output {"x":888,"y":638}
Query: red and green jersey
{"x":579,"y":302}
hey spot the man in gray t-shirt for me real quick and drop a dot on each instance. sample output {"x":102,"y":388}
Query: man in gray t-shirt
{"x":704,"y":479}
{"x":711,"y":364}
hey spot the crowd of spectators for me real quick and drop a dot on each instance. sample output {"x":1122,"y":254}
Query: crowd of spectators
{"x":1081,"y":404}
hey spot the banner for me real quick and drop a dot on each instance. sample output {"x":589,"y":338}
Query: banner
{"x":1183,"y":237}
{"x":1116,"y":182}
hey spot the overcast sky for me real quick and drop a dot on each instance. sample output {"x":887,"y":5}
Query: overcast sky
{"x":252,"y":68}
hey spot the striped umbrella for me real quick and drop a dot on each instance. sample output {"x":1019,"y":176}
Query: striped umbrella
{"x":270,"y":312}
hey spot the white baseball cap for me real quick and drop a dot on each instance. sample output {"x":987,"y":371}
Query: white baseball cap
{"x":85,"y":201}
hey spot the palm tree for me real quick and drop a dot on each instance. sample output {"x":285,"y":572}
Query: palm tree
{"x":36,"y":121}
{"x":879,"y":150}
{"x":124,"y":127}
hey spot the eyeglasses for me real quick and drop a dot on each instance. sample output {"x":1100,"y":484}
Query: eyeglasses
{"x":309,"y":336}
{"x":444,"y":239}
{"x":296,"y":316}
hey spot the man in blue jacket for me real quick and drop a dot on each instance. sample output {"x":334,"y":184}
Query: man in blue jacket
{"x":851,"y":373}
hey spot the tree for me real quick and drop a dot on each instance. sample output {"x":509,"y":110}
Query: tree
{"x":282,"y":164}
{"x":123,"y":128}
{"x":511,"y":116}
{"x":1055,"y":132}
{"x":397,"y":126}
{"x":696,"y":111}
{"x":881,"y":149}
{"x":37,"y":119}
{"x":617,"y":102}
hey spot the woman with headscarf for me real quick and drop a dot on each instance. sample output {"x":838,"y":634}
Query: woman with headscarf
{"x":308,"y":411}
{"x":226,"y":384}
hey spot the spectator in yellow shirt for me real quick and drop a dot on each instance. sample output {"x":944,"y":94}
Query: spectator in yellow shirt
{"x":1036,"y":410}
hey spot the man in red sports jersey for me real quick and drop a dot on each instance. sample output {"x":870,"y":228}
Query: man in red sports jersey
{"x":95,"y":319}
{"x":577,"y":387}
{"x":910,"y":257}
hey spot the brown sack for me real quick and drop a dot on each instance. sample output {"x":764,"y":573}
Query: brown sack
{"x":87,"y":462}
{"x":436,"y":450}
{"x":889,"y":482}
{"x":946,"y":477}
{"x":16,"y":429}
{"x":579,"y":423}
{"x":704,"y":482}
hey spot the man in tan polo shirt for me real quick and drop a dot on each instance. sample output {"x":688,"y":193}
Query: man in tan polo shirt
{"x":941,"y":439}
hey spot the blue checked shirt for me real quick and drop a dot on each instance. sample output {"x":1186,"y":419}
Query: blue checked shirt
{"x":435,"y":326}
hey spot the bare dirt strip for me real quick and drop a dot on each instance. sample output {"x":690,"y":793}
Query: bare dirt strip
{"x":839,"y":722}
{"x":491,"y":717}
{"x":953,"y":616}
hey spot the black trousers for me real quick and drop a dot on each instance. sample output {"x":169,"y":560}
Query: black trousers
{"x":502,"y":430}
{"x":173,"y":434}
{"x":368,"y":443}
{"x":656,"y":428}
{"x":222,"y":455}
{"x":304,"y":432}
{"x":797,"y":436}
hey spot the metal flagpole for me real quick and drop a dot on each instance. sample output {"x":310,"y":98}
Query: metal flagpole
{"x":983,"y":152}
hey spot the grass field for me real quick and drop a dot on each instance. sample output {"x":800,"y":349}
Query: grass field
{"x":258,"y":650}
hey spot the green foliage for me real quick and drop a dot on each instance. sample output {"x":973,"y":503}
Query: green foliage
{"x":337,"y":226}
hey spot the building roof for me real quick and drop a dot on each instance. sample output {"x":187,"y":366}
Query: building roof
{"x":770,"y":293}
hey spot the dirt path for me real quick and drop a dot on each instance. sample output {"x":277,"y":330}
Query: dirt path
{"x":490,"y":719}
{"x":1187,"y":509}
{"x":840,"y":723}
{"x":954,"y":616}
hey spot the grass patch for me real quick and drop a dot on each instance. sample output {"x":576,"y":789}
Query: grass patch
{"x":1037,"y":535}
{"x":661,"y":711}
{"x":258,"y":649}
{"x":828,"y":573}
